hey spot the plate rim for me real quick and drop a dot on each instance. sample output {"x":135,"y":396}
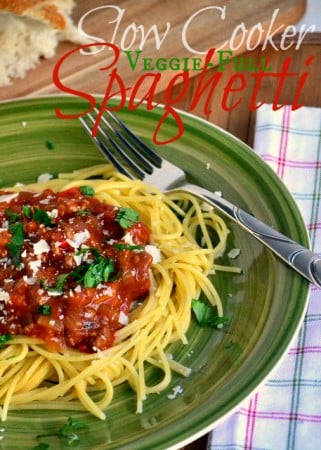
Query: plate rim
{"x":303,"y":230}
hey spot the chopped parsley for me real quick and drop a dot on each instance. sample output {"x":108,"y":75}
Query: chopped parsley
{"x":16,"y":242}
{"x":93,"y":250}
{"x":27,"y":211}
{"x":71,"y":427}
{"x":79,"y":273}
{"x":17,"y":239}
{"x":205,"y":315}
{"x":61,"y":279}
{"x":68,"y":433}
{"x":87,"y":190}
{"x":4,"y":339}
{"x":12,"y":216}
{"x":126,"y":217}
{"x":49,"y":145}
{"x":96,"y":272}
{"x":121,"y":246}
{"x":99,"y":272}
{"x":60,"y":282}
{"x":44,"y":310}
{"x":41,"y":216}
{"x":83,"y":212}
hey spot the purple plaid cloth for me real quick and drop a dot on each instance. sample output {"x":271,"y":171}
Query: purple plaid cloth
{"x":285,"y":414}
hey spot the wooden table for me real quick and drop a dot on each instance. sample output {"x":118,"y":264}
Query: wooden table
{"x":238,"y":120}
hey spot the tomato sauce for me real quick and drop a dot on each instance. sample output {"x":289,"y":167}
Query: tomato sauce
{"x":71,"y":267}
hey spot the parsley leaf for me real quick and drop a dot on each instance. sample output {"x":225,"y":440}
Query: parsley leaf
{"x":41,"y":216}
{"x":99,"y":272}
{"x":79,"y":273}
{"x":27,"y":211}
{"x":96,"y":272}
{"x":71,"y":426}
{"x":61,"y":279}
{"x":70,"y":431}
{"x":60,"y":282}
{"x":16,"y":242}
{"x":83,"y":212}
{"x":44,"y":310}
{"x":199,"y":309}
{"x":205,"y":316}
{"x":49,"y":145}
{"x":4,"y":339}
{"x":93,"y":250}
{"x":87,"y":190}
{"x":121,"y":246}
{"x":12,"y":216}
{"x":68,"y":434}
{"x":126,"y":217}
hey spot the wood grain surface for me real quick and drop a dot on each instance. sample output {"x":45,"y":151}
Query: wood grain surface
{"x":133,"y":28}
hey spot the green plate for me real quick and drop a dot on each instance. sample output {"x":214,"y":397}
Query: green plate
{"x":265,"y":304}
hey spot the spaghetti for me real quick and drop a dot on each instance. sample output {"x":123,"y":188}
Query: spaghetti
{"x":32,"y":374}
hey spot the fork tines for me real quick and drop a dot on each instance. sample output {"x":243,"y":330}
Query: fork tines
{"x":126,"y":151}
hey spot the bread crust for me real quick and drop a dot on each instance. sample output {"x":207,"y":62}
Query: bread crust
{"x":19,"y":7}
{"x":43,"y":10}
{"x":31,"y":30}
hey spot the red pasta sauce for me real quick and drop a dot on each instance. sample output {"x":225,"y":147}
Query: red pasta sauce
{"x":71,"y":267}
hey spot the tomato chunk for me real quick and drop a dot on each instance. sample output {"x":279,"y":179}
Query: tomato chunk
{"x":69,"y":269}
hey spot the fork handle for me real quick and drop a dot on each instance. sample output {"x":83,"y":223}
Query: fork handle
{"x":301,"y":259}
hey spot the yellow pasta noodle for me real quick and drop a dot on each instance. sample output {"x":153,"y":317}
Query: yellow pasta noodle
{"x":32,"y":376}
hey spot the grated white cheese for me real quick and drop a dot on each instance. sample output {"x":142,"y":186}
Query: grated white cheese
{"x":108,"y":291}
{"x":123,"y":318}
{"x":175,"y":392}
{"x":8,"y":197}
{"x":81,"y":237}
{"x":44,"y":177}
{"x":53,"y":214}
{"x":78,"y":239}
{"x":4,"y":296}
{"x":206,"y":207}
{"x":234,"y":253}
{"x":54,"y":293}
{"x":29,"y":280}
{"x":155,"y":252}
{"x":78,"y":259}
{"x":35,"y":266}
{"x":128,"y":239}
{"x":72,"y":243}
{"x":40,"y":247}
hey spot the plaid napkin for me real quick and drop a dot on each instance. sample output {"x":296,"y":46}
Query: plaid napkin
{"x":285,"y":414}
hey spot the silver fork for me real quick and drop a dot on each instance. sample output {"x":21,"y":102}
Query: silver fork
{"x":132,"y":157}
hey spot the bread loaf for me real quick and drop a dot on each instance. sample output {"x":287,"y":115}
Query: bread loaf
{"x":31,"y":30}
